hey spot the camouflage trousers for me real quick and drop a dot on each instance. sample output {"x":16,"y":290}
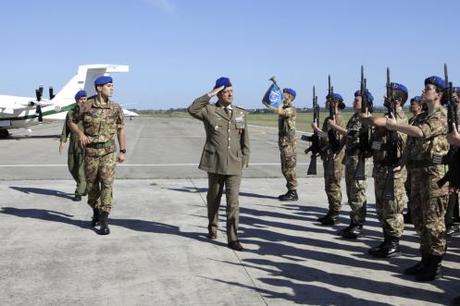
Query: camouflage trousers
{"x":100,"y":174}
{"x":390,"y":212}
{"x":76,"y":165}
{"x":356,"y":191}
{"x":428,"y":211}
{"x":332,"y":179}
{"x":216,"y":183}
{"x":417,"y":187}
{"x":288,"y":157}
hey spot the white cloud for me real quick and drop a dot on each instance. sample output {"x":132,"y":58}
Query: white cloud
{"x":165,"y":5}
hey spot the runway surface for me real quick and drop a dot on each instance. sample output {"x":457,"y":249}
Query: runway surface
{"x":157,"y":148}
{"x":158,"y":253}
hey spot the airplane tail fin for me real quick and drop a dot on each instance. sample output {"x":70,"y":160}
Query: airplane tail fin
{"x":84,"y":79}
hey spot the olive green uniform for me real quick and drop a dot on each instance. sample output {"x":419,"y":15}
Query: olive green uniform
{"x":75,"y":156}
{"x":225,"y":153}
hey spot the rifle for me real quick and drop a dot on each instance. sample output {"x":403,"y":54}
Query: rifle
{"x":453,"y":157}
{"x":315,"y":147}
{"x":391,"y":157}
{"x":364,"y":134}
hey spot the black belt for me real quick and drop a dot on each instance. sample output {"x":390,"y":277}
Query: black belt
{"x":100,"y":145}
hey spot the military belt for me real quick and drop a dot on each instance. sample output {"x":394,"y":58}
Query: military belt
{"x":100,"y":145}
{"x":437,"y":160}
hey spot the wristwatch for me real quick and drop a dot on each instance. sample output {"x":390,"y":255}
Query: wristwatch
{"x":123,"y":151}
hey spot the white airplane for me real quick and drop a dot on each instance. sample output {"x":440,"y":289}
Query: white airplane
{"x":24,"y":112}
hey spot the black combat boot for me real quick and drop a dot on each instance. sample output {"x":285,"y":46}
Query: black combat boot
{"x":77,"y":197}
{"x":455,"y":301}
{"x":329,"y":219}
{"x":407,"y":217}
{"x":431,"y":271}
{"x":235,"y":245}
{"x":104,"y":218}
{"x":96,"y":217}
{"x":418,"y":266}
{"x":291,"y":195}
{"x":353,"y":231}
{"x":388,"y":248}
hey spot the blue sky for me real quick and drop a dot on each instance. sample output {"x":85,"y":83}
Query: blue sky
{"x":176,"y":49}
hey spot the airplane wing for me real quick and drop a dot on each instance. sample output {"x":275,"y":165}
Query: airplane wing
{"x":128,"y":113}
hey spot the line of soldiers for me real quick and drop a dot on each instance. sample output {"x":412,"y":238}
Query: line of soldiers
{"x":407,"y":155}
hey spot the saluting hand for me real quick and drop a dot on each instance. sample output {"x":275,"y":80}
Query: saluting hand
{"x":215,"y":91}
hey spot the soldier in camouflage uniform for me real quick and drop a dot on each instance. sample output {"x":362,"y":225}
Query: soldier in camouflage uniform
{"x":102,"y":121}
{"x":424,"y":157}
{"x":332,"y":158}
{"x":287,"y":143}
{"x":416,"y":109}
{"x":356,"y":189}
{"x":452,"y":213}
{"x":389,"y":211}
{"x":225,"y":154}
{"x":76,"y":155}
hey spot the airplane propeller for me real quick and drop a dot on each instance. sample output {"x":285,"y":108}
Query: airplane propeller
{"x":38,"y":109}
{"x":51,"y":92}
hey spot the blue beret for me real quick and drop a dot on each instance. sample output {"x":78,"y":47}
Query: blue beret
{"x":417,"y":99}
{"x":290,"y":91}
{"x":80,"y":94}
{"x":400,"y":87}
{"x":436,"y":81}
{"x":336,"y":97}
{"x":369,"y":96}
{"x":456,"y":90}
{"x":102,"y":80}
{"x":223,"y":81}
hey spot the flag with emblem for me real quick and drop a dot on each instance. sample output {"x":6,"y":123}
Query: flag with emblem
{"x":273,"y":97}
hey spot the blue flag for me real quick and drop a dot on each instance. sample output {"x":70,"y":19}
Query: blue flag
{"x":273,"y":97}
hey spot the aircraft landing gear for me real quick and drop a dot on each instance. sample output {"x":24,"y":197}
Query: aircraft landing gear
{"x":4,"y":133}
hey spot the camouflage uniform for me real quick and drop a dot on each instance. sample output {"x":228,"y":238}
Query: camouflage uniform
{"x":333,"y":167}
{"x":407,"y":184}
{"x":428,"y":211}
{"x":101,"y":122}
{"x":389,"y":212}
{"x":76,"y":155}
{"x":356,"y":190}
{"x":287,"y":145}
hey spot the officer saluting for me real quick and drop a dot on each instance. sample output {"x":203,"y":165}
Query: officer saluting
{"x":225,"y":153}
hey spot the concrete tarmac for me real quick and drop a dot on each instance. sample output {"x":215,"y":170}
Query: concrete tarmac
{"x":158,"y":253}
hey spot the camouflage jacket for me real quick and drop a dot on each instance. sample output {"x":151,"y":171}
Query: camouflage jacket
{"x":380,"y":145}
{"x":101,"y":122}
{"x":424,"y":151}
{"x":352,"y":138}
{"x":74,"y":145}
{"x":286,"y":125}
{"x":324,"y":139}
